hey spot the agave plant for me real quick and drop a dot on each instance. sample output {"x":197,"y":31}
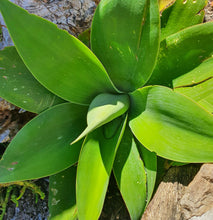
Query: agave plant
{"x":143,"y":90}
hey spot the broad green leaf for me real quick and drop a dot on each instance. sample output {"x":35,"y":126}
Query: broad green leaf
{"x":42,"y":147}
{"x":171,"y":125}
{"x":94,"y":168}
{"x":58,"y":60}
{"x":201,"y":73}
{"x":130,"y":175}
{"x":182,"y":52}
{"x":163,"y":4}
{"x":62,"y":195}
{"x":184,"y":13}
{"x":202,"y":93}
{"x":103,"y":109}
{"x":150,"y":163}
{"x":125,"y":37}
{"x":18,"y":86}
{"x":198,"y":84}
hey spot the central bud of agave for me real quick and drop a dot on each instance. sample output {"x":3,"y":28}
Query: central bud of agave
{"x":103,"y":109}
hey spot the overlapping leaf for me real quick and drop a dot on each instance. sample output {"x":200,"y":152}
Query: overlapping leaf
{"x":42,"y":147}
{"x":103,"y":109}
{"x":130,"y":175}
{"x":182,"y":52}
{"x":18,"y":86}
{"x":171,"y":125}
{"x":58,"y":60}
{"x":183,"y":14}
{"x":84,"y":37}
{"x":150,"y":165}
{"x":62,"y":195}
{"x":125,"y":37}
{"x":94,"y":168}
{"x":198,"y":84}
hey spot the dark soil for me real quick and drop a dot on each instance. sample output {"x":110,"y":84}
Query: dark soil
{"x":114,"y":207}
{"x":28,"y":208}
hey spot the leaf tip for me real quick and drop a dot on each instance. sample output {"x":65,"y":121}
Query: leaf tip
{"x":83,"y":134}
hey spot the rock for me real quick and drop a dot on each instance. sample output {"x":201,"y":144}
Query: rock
{"x":198,"y":197}
{"x":5,"y":38}
{"x":75,"y":16}
{"x":5,"y":120}
{"x":12,"y":119}
{"x":209,"y":11}
{"x":181,"y":196}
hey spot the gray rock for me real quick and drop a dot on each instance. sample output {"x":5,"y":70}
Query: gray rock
{"x":75,"y":16}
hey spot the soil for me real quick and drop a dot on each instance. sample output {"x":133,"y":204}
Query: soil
{"x":13,"y":118}
{"x":28,"y":208}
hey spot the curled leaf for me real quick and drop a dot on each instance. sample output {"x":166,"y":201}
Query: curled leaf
{"x":103,"y":109}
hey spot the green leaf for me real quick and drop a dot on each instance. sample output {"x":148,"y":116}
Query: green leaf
{"x":94,"y":168}
{"x":182,"y":15}
{"x":130,"y":175}
{"x":58,"y":60}
{"x":198,"y":84}
{"x":182,"y":52}
{"x":18,"y":86}
{"x":125,"y":37}
{"x":42,"y":147}
{"x":62,"y":195}
{"x":171,"y":125}
{"x":150,"y":163}
{"x":103,"y":109}
{"x":84,"y":37}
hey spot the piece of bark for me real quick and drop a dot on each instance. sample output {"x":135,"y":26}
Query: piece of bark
{"x":198,"y":197}
{"x":180,"y":197}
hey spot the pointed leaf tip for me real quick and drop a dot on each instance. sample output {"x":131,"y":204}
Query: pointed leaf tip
{"x":103,"y":109}
{"x":94,"y":168}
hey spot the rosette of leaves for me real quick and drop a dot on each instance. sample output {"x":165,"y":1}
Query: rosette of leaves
{"x":143,"y":90}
